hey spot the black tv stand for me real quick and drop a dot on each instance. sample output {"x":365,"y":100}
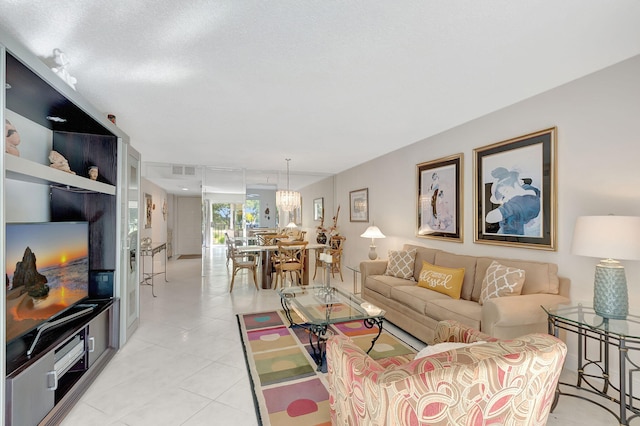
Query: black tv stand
{"x":47,"y":325}
{"x":67,"y":354}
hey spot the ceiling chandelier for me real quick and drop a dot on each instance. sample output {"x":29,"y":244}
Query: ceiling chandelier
{"x":288,"y":200}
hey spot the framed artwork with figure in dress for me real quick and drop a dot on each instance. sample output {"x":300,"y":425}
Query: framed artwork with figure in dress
{"x":440,"y":198}
{"x":515,"y":192}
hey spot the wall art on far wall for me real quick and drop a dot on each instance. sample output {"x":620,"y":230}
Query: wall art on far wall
{"x":318,"y":206}
{"x":440,"y":198}
{"x":515,"y":192}
{"x":359,"y":205}
{"x":148,"y":208}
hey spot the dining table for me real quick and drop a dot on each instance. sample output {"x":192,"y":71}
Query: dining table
{"x":266,"y":251}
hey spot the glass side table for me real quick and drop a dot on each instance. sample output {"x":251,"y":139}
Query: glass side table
{"x":599,"y":342}
{"x":356,"y":271}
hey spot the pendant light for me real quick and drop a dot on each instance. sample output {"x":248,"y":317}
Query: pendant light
{"x":288,"y":200}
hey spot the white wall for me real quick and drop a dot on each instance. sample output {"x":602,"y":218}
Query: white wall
{"x":267,"y":198}
{"x":158,"y":230}
{"x":188,"y":235}
{"x":598,"y":122}
{"x":323,"y":189}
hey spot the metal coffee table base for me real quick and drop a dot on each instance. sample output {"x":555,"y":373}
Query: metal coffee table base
{"x":320,"y":333}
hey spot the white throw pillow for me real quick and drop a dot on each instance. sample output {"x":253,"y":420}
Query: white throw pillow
{"x":401,"y":263}
{"x":444,"y":347}
{"x":500,"y":281}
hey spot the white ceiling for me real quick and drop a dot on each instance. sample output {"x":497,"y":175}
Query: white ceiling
{"x":244,"y":84}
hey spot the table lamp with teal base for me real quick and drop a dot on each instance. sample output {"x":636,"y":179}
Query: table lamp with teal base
{"x":608,"y":237}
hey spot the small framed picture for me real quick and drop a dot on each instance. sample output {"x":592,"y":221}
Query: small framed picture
{"x":359,"y":205}
{"x":318,"y":208}
{"x":148,"y":209}
{"x":515,"y":192}
{"x":440,"y":198}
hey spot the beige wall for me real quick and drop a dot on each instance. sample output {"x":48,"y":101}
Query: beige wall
{"x":323,"y":189}
{"x":598,"y":124}
{"x":188,"y":234}
{"x":158,"y":230}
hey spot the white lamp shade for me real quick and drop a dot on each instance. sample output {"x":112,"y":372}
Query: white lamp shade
{"x":613,"y":237}
{"x":373,"y":232}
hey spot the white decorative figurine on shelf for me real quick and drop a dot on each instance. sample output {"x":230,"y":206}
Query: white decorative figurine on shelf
{"x":59,"y":162}
{"x":61,"y":60}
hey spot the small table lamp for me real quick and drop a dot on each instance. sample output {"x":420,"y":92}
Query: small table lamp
{"x":608,"y":237}
{"x":373,"y":232}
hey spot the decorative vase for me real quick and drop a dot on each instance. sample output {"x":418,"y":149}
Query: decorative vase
{"x":321,"y":238}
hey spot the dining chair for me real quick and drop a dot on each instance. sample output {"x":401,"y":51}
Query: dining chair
{"x":294,"y":234}
{"x":318,"y":263}
{"x":289,"y":258}
{"x":244,"y":260}
{"x":230,"y":246}
{"x":336,"y":245}
{"x":269,"y":239}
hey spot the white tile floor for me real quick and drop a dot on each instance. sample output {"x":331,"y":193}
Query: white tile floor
{"x":185,"y":365}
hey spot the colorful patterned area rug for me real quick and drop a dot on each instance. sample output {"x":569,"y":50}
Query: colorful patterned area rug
{"x":287,"y":389}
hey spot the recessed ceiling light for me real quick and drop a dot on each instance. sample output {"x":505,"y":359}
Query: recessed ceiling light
{"x":184,"y":188}
{"x":56,"y":119}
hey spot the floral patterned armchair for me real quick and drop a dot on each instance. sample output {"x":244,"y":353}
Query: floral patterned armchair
{"x":506,"y":382}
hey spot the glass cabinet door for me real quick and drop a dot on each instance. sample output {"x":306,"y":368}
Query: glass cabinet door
{"x":130,"y":256}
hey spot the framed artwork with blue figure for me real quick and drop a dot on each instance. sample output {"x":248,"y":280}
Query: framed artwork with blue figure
{"x":515,"y":191}
{"x":440,"y":198}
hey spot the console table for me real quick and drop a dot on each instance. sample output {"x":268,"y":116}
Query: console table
{"x":151,"y":251}
{"x":597,"y":338}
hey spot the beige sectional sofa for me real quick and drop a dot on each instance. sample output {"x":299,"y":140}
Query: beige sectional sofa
{"x":418,"y":310}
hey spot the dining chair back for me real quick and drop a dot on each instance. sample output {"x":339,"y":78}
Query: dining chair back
{"x":244,"y":260}
{"x":269,"y":239}
{"x":230,"y":246}
{"x":336,"y":245}
{"x":290,"y":259}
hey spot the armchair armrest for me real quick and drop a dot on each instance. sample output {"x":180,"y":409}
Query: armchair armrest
{"x":508,"y":317}
{"x":454,"y":331}
{"x":350,"y":372}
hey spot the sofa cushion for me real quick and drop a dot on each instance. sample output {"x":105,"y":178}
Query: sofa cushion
{"x":422,"y":254}
{"x":401,"y":264}
{"x":464,"y":311}
{"x":441,"y":279}
{"x":501,"y":281}
{"x":450,"y":260}
{"x":383,"y":284}
{"x":415,"y":297}
{"x":540,"y":277}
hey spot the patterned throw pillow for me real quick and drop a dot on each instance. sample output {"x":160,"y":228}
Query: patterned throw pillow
{"x":401,"y":263}
{"x":501,"y":281}
{"x":443,"y":280}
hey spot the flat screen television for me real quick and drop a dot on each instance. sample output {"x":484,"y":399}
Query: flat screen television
{"x":47,"y":272}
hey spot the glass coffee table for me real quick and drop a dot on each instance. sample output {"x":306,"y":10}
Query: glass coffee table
{"x":320,"y":306}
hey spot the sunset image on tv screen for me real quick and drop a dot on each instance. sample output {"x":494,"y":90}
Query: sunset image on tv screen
{"x":47,"y":271}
